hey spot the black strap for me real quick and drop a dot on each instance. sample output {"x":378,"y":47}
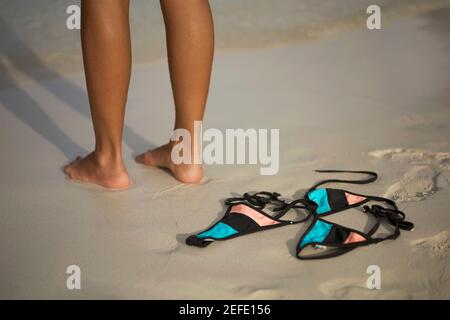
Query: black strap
{"x":373,"y":177}
{"x":381,"y":199}
{"x":259,"y":200}
{"x":395,"y":217}
{"x":296,"y":204}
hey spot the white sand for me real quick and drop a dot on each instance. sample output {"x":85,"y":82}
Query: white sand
{"x":336,"y":101}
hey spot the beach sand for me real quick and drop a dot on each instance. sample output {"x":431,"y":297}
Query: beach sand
{"x":358,"y":100}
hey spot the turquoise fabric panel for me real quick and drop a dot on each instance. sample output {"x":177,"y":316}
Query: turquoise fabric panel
{"x":320,"y":197}
{"x":318,"y":233}
{"x":219,"y":231}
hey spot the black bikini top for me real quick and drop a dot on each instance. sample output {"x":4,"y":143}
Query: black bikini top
{"x":247,"y":214}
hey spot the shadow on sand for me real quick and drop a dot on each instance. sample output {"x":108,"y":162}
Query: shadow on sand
{"x":24,"y":107}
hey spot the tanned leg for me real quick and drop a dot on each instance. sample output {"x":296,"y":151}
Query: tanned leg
{"x":190,"y":50}
{"x":105,"y":37}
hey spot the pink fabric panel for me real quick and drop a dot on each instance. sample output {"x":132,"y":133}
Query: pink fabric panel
{"x":354,"y":237}
{"x":352,"y":199}
{"x":259,"y":218}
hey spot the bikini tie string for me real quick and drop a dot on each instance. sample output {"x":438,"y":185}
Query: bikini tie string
{"x":396,"y":217}
{"x":260,"y":200}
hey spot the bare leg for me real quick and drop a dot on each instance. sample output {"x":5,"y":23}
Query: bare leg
{"x":190,"y":49}
{"x":106,"y":45}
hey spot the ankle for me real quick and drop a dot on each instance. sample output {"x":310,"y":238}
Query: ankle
{"x":108,"y":159}
{"x":194,"y":151}
{"x":193,"y":145}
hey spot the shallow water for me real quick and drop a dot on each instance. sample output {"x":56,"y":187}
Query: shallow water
{"x":34,"y":33}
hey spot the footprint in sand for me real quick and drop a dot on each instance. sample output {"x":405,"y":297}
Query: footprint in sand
{"x":434,"y":120}
{"x":437,"y":246}
{"x":421,"y":179}
{"x":418,"y":183}
{"x":356,"y":289}
{"x":260,"y":294}
{"x":414,"y":157}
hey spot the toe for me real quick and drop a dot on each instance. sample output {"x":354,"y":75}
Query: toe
{"x":68,"y":170}
{"x":140,"y":158}
{"x":71,"y":163}
{"x":145,"y":158}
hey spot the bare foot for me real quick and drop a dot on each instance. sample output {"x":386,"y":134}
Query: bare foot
{"x":161,"y":157}
{"x":108,"y":174}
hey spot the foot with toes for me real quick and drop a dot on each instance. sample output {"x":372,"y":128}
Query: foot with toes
{"x":110,"y":174}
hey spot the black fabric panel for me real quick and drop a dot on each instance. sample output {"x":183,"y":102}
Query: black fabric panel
{"x":197,"y":242}
{"x":241,"y":223}
{"x":337,"y":199}
{"x":336,"y":236}
{"x":330,"y":254}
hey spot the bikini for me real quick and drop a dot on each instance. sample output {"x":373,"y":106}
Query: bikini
{"x":245,"y":215}
{"x":323,"y":239}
